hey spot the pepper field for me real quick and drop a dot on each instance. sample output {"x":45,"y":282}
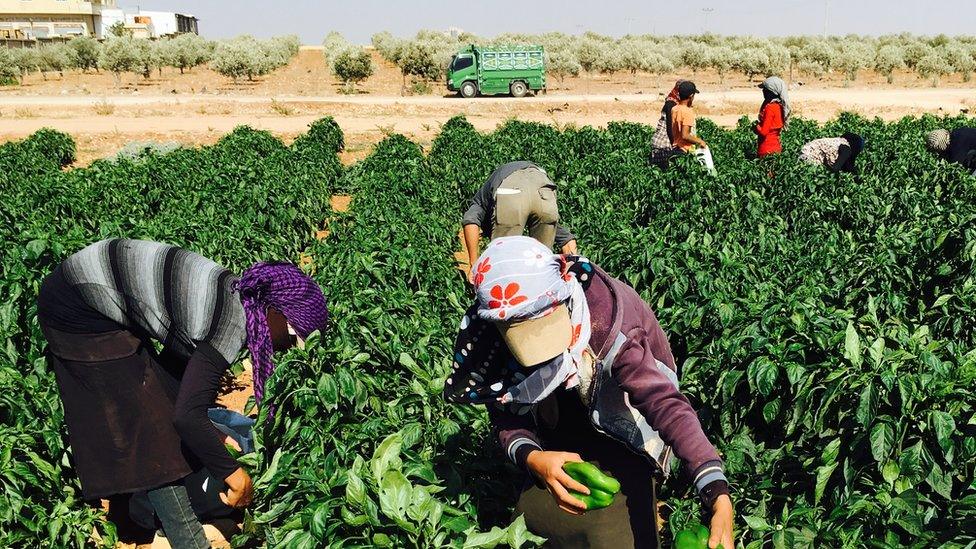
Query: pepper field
{"x":823,"y":324}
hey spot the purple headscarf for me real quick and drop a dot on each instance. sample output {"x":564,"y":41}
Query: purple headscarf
{"x":286,"y":288}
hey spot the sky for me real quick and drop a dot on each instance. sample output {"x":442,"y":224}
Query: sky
{"x":357,"y":20}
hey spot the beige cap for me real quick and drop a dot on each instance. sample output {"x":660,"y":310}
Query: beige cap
{"x":538,"y":340}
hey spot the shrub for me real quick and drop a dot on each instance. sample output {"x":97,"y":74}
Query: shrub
{"x":852,"y":57}
{"x":55,"y":58}
{"x":352,"y":66}
{"x":9,"y":71}
{"x":119,"y":55}
{"x":696,"y":57}
{"x":889,"y":58}
{"x":185,"y":51}
{"x":933,"y":66}
{"x":250,"y":57}
{"x":333,"y":45}
{"x":86,"y":51}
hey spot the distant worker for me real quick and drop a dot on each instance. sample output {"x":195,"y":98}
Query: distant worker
{"x":133,"y":412}
{"x":662,"y":148}
{"x":773,"y":116}
{"x":517,"y":196}
{"x":958,"y":146}
{"x":684,"y":137}
{"x":837,"y":154}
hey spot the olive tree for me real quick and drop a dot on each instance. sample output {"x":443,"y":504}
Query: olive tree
{"x":933,"y":66}
{"x":888,"y":59}
{"x":914,"y":51}
{"x":239,"y":57}
{"x":27,"y":61}
{"x":561,"y":62}
{"x":418,"y":59}
{"x":185,"y":51}
{"x":334,"y":45}
{"x":589,"y":53}
{"x":119,"y":55}
{"x":388,"y":46}
{"x":959,"y":58}
{"x":9,"y":71}
{"x":55,"y":58}
{"x":852,"y":57}
{"x":352,"y":66}
{"x":695,"y":57}
{"x":722,"y":59}
{"x":816,"y":58}
{"x":85,"y":52}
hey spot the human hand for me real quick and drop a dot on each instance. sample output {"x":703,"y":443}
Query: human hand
{"x":240,"y":489}
{"x":721,"y":525}
{"x":230,"y":441}
{"x":548,"y":468}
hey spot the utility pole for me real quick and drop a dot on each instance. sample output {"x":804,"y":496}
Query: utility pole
{"x":826,"y":16}
{"x":707,"y":12}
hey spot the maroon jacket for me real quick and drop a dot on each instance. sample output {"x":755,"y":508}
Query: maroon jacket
{"x":615,"y":308}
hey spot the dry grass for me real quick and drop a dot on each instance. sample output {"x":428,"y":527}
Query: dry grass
{"x":281,"y":108}
{"x":104,"y":108}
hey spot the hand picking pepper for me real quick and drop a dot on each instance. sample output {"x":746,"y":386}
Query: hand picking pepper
{"x":602,"y":486}
{"x":695,"y":537}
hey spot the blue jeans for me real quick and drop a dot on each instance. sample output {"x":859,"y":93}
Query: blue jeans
{"x":180,"y":524}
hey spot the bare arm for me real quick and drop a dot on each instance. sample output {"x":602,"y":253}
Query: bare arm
{"x":472,"y":241}
{"x":688,"y":136}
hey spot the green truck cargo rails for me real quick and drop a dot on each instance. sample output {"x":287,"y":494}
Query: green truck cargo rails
{"x":493,"y":70}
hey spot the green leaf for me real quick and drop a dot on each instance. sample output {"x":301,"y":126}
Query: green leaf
{"x":386,"y":456}
{"x":890,"y":472}
{"x":882,"y":440}
{"x":944,"y":427}
{"x":823,"y":476}
{"x":852,"y":346}
{"x":756,"y":523}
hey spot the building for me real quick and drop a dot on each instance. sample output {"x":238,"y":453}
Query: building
{"x":150,"y":24}
{"x":30,"y":20}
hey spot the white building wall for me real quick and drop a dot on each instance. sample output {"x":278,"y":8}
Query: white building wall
{"x":163,"y":22}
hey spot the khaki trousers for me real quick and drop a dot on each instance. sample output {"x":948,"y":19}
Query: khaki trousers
{"x":526,"y":200}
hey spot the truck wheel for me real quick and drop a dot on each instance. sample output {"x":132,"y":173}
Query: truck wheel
{"x":519,"y":89}
{"x":469,"y":90}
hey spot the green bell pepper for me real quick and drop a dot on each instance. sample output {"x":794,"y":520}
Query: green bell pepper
{"x":695,"y":537}
{"x":602,"y":486}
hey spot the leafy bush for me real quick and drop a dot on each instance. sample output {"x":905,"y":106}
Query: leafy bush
{"x":185,"y":51}
{"x":888,"y":59}
{"x":250,"y":57}
{"x":86,"y":52}
{"x":820,"y":321}
{"x":352,"y":66}
{"x":119,"y":55}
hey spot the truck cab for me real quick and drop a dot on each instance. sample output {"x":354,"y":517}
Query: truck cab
{"x":463,"y":70}
{"x":492,"y":70}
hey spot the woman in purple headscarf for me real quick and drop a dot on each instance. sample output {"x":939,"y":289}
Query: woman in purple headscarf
{"x":138,"y":419}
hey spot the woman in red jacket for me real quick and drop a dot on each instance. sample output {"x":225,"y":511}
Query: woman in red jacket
{"x":773,"y":115}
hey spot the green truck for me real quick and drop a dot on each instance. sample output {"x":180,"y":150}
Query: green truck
{"x":493,"y":70}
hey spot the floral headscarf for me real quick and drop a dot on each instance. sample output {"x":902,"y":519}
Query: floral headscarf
{"x":517,"y":278}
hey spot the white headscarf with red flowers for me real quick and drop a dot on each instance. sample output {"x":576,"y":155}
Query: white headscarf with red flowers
{"x":517,"y":278}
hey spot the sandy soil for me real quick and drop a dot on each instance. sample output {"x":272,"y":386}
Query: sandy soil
{"x":199,"y":107}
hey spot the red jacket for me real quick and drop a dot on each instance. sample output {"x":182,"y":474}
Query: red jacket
{"x":769,"y":127}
